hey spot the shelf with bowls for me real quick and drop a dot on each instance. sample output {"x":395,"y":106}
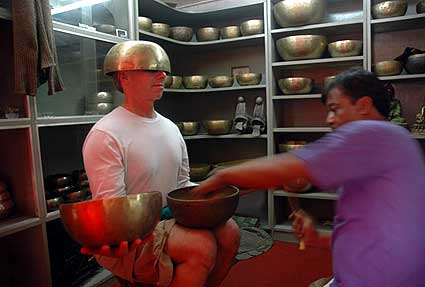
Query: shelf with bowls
{"x":313,"y":195}
{"x":302,"y":130}
{"x":18,"y":223}
{"x":407,"y":22}
{"x":403,"y":77}
{"x":324,"y":61}
{"x":297,"y":97}
{"x":228,"y":136}
{"x":212,"y":90}
{"x":67,"y":120}
{"x":331,"y":28}
{"x":15,"y":123}
{"x":5,"y":14}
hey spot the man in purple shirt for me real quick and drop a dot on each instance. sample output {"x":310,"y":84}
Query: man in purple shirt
{"x":379,"y":231}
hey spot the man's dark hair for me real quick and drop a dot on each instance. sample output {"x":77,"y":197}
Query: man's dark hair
{"x":357,"y":83}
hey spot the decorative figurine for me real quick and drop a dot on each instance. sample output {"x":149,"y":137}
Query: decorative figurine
{"x":241,"y":119}
{"x":395,"y":115}
{"x":258,"y":121}
{"x":419,"y":127}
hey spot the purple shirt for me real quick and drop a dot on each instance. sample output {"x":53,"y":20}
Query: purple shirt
{"x":379,"y":231}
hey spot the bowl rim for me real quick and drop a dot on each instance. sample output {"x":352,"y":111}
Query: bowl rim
{"x":129,"y":196}
{"x":235,"y":193}
{"x":340,"y":41}
{"x":253,"y":20}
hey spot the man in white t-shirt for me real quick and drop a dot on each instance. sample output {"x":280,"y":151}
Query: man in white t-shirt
{"x":134,"y":149}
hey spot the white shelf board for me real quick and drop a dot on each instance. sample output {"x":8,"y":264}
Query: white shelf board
{"x":407,"y":22}
{"x":297,"y":97}
{"x":323,"y":61}
{"x":53,"y":215}
{"x":228,"y":136}
{"x":402,"y":77}
{"x":20,"y":123}
{"x":67,"y":120}
{"x":330,"y":28}
{"x":15,"y":224}
{"x":212,"y":90}
{"x":312,"y":195}
{"x":302,"y":130}
{"x":287,"y":227}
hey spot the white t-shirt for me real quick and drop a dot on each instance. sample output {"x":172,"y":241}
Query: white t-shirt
{"x":127,"y":154}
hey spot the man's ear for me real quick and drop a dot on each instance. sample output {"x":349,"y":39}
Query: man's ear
{"x":364,"y":105}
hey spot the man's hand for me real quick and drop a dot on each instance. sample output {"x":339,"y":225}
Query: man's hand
{"x":209,"y":185}
{"x":304,"y":227}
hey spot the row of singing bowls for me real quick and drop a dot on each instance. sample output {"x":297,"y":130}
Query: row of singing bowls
{"x":188,"y":128}
{"x":296,"y":85}
{"x":221,"y":81}
{"x":387,"y":68}
{"x":289,"y":13}
{"x":301,"y":47}
{"x":389,"y":9}
{"x":199,"y":171}
{"x":345,"y":48}
{"x":201,"y":82}
{"x":109,"y":221}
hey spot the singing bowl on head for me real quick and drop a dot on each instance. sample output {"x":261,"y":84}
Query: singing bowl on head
{"x":420,"y":7}
{"x":198,"y":171}
{"x":181,"y":33}
{"x":188,"y":128}
{"x":218,"y":127}
{"x":230,"y":32}
{"x":387,"y":68}
{"x":195,"y":82}
{"x":301,"y":47}
{"x":207,"y":34}
{"x":220,"y":81}
{"x":204,"y":212}
{"x":248,"y":79}
{"x":161,"y":29}
{"x":145,"y":23}
{"x":416,"y":64}
{"x":299,"y":12}
{"x":389,"y":9}
{"x":252,"y":27}
{"x":109,"y":221}
{"x":296,"y":85}
{"x":345,"y":48}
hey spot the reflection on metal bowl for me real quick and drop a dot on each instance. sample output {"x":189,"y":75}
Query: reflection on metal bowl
{"x":248,"y":79}
{"x":188,"y":128}
{"x":106,"y":28}
{"x":161,"y":29}
{"x":218,"y":127}
{"x":389,"y":9}
{"x":252,"y":27}
{"x":109,"y":221}
{"x":416,"y":64}
{"x":207,"y":34}
{"x":198,"y":171}
{"x":203,"y":212}
{"x":181,"y":33}
{"x":301,"y":47}
{"x":195,"y":82}
{"x":145,"y":24}
{"x":296,"y":85}
{"x":220,"y":81}
{"x":387,"y":68}
{"x":230,"y":32}
{"x":345,"y":48}
{"x":299,"y":12}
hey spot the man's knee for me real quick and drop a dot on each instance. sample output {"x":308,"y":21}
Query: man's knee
{"x":228,"y":234}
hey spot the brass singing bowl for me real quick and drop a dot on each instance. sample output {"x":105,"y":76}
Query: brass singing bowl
{"x":289,"y":13}
{"x":161,"y":29}
{"x":327,"y":83}
{"x":296,"y":85}
{"x":220,"y":81}
{"x":177,"y":82}
{"x":416,"y":64}
{"x":198,"y":171}
{"x":205,"y":211}
{"x":218,"y":127}
{"x":252,"y":27}
{"x":345,"y":48}
{"x":247,"y":79}
{"x":188,"y":128}
{"x":145,"y":24}
{"x":109,"y":221}
{"x":389,"y":9}
{"x":387,"y":68}
{"x":301,"y":47}
{"x":168,"y":81}
{"x":207,"y":34}
{"x":195,"y":82}
{"x":420,"y":7}
{"x":230,"y":32}
{"x":181,"y":33}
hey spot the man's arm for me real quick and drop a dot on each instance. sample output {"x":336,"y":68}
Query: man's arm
{"x":305,"y":229}
{"x":183,"y":177}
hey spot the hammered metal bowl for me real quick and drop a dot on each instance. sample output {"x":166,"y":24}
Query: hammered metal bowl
{"x":203,"y":212}
{"x":188,"y":128}
{"x":168,"y":81}
{"x":389,"y":9}
{"x":301,"y":47}
{"x":109,"y":221}
{"x":248,"y":79}
{"x":289,"y":13}
{"x":145,"y":24}
{"x":220,"y":81}
{"x":416,"y":64}
{"x":387,"y":68}
{"x":199,"y":171}
{"x":177,"y":82}
{"x":252,"y":27}
{"x":345,"y":48}
{"x":195,"y":82}
{"x":181,"y":33}
{"x":161,"y":29}
{"x":230,"y":32}
{"x":296,"y":85}
{"x":327,"y":83}
{"x":207,"y":34}
{"x":420,"y":7}
{"x":218,"y":127}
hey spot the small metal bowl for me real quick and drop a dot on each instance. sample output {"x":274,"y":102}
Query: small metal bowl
{"x":105,"y":28}
{"x":296,"y":85}
{"x":145,"y":24}
{"x":199,"y":171}
{"x":289,"y":13}
{"x":389,"y":9}
{"x":161,"y":29}
{"x":420,"y":7}
{"x":54,"y":203}
{"x":168,"y":81}
{"x":327,"y":83}
{"x":207,"y":34}
{"x":416,"y":64}
{"x":220,"y":81}
{"x":95,"y":223}
{"x":195,"y":82}
{"x":387,"y":68}
{"x":181,"y":33}
{"x":248,"y":79}
{"x":203,"y":212}
{"x":301,"y":47}
{"x":218,"y":127}
{"x":177,"y":82}
{"x":188,"y":128}
{"x":252,"y":27}
{"x":230,"y":32}
{"x":345,"y":48}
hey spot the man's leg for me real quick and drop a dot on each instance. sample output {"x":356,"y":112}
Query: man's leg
{"x":194,"y":253}
{"x":227,"y":236}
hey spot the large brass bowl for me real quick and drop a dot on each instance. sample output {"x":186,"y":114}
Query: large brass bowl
{"x":299,"y":12}
{"x":387,"y":68}
{"x":420,"y":7}
{"x":145,"y":24}
{"x":230,"y":32}
{"x":248,"y":79}
{"x":252,"y":27}
{"x":218,"y":127}
{"x":109,"y":221}
{"x":207,"y":34}
{"x":389,"y":9}
{"x":345,"y":48}
{"x":220,"y":81}
{"x":198,"y":171}
{"x":181,"y":33}
{"x":296,"y":85}
{"x":161,"y":29}
{"x":416,"y":64}
{"x":188,"y":128}
{"x":205,"y":212}
{"x":195,"y":82}
{"x":301,"y":47}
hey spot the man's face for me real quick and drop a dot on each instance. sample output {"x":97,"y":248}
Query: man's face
{"x":341,"y":109}
{"x":148,"y":84}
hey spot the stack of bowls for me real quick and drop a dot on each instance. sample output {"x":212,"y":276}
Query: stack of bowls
{"x":100,"y":103}
{"x":389,"y":9}
{"x":296,"y":85}
{"x":289,"y":13}
{"x":6,"y":202}
{"x":301,"y":47}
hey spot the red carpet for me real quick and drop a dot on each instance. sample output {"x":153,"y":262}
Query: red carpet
{"x":282,"y":266}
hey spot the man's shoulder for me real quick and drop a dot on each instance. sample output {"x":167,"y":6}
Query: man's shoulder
{"x":373,"y":128}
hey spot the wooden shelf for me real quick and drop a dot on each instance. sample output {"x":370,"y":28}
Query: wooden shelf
{"x":312,"y":195}
{"x":302,"y":130}
{"x":212,"y":90}
{"x":14,"y":123}
{"x":17,"y":223}
{"x":297,"y":97}
{"x":331,"y":28}
{"x":325,"y":61}
{"x":229,"y":136}
{"x":67,"y":120}
{"x":402,"y":77}
{"x":407,"y":22}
